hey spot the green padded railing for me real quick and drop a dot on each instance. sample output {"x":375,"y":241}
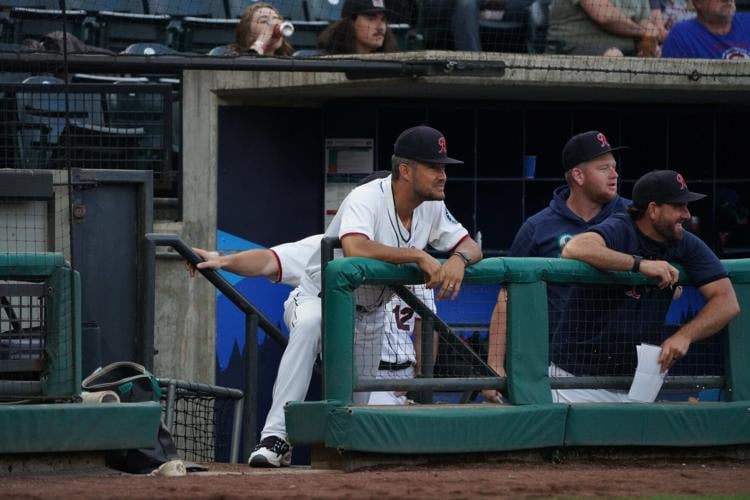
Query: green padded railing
{"x":61,"y":377}
{"x":527,"y":339}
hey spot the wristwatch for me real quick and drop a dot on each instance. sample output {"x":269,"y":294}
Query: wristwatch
{"x":636,"y":264}
{"x":464,"y":256}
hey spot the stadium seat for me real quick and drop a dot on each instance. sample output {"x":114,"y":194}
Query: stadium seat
{"x":53,"y":130}
{"x":198,"y":34}
{"x":145,"y":110}
{"x":22,"y":23}
{"x":182,"y":8}
{"x":324,"y":10}
{"x":294,"y":10}
{"x":87,"y":78}
{"x":195,"y":26}
{"x":33,"y":4}
{"x":9,"y":119}
{"x":94,"y":6}
{"x":309,"y":53}
{"x":220,"y":50}
{"x":127,"y":23}
{"x":503,"y":36}
{"x":150,"y":49}
{"x":538,"y":43}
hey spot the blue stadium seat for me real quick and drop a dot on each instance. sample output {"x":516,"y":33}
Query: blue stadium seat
{"x":9,"y":150}
{"x":146,"y":110}
{"x":197,"y":25}
{"x":183,"y":8}
{"x":22,"y":23}
{"x":125,"y":22}
{"x":150,"y":49}
{"x":324,"y":10}
{"x":199,"y":34}
{"x":94,"y":6}
{"x":293,"y":10}
{"x":220,"y":50}
{"x":89,"y":78}
{"x":52,"y":130}
{"x":309,"y":53}
{"x":33,"y":4}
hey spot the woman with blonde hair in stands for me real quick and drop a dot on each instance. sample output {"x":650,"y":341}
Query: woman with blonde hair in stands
{"x":362,"y":29}
{"x":255,"y":33}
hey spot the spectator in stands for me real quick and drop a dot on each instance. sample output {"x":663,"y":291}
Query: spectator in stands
{"x":601,"y":325}
{"x":716,"y":33}
{"x":59,"y":42}
{"x":675,"y":11}
{"x":593,"y":27}
{"x":362,"y":29}
{"x":463,"y":18}
{"x":255,"y":33}
{"x":589,"y":197}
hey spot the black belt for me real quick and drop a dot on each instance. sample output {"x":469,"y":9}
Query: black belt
{"x":385,"y":365}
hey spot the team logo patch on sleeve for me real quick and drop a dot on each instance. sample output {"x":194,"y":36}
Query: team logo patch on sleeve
{"x":449,"y":216}
{"x":563,"y":240}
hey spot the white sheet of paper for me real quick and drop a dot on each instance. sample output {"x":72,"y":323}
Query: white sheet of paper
{"x":648,"y":379}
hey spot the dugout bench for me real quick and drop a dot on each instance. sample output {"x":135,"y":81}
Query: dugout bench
{"x":532,"y":421}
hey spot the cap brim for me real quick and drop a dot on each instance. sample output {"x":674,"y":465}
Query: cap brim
{"x":687,"y":197}
{"x":442,"y":161}
{"x":387,"y":12}
{"x":618,"y":148}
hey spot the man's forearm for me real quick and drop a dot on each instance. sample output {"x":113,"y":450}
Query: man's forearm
{"x":590,"y":248}
{"x":621,"y":25}
{"x":498,"y":334}
{"x":714,"y":316}
{"x":469,"y":248}
{"x":355,"y":246}
{"x":255,"y":262}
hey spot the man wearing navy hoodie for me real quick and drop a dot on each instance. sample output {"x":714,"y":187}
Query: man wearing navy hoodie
{"x":589,"y":197}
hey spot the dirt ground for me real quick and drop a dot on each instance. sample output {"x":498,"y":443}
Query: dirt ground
{"x":498,"y":480}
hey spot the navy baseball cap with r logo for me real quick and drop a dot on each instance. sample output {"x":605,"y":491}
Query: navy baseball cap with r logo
{"x":662,"y":186}
{"x":585,"y":147}
{"x":424,"y":144}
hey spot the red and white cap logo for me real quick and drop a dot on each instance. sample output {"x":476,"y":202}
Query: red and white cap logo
{"x":443,"y":146}
{"x":681,"y":181}
{"x":378,"y":3}
{"x":603,"y":142}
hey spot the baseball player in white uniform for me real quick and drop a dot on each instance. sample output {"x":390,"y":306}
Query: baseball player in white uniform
{"x":392,"y":220}
{"x":398,"y":358}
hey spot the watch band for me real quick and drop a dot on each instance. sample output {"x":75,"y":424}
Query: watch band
{"x":636,"y":264}
{"x":464,"y":257}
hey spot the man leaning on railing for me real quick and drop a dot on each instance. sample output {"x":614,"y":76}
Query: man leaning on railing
{"x":646,"y":240}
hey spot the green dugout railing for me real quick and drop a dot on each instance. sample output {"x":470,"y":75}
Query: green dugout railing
{"x":527,"y":329}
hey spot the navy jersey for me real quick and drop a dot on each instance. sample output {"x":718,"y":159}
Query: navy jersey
{"x":601,"y":325}
{"x":545,"y":233}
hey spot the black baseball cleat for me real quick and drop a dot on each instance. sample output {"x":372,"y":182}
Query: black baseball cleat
{"x":271,"y":452}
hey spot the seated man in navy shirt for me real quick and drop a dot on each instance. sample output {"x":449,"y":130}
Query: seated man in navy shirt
{"x":588,"y":198}
{"x":600,"y":339}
